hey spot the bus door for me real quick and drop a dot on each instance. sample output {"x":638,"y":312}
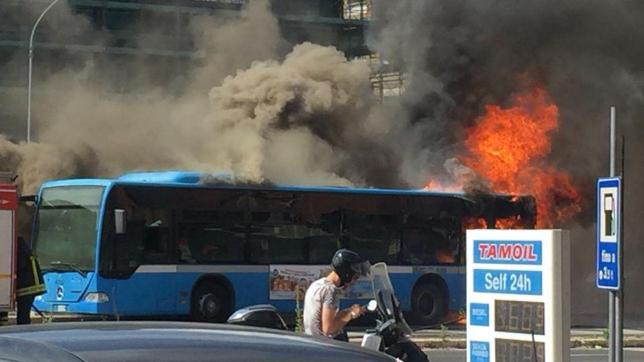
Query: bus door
{"x":145,"y":276}
{"x":8,"y":212}
{"x":143,"y":259}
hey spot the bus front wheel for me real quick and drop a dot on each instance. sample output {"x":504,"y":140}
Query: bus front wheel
{"x":429,"y":304}
{"x":211,"y":302}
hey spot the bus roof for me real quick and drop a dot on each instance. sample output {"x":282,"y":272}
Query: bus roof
{"x":226,"y":180}
{"x":486,"y":203}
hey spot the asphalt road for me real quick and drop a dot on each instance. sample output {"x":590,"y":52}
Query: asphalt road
{"x":577,"y":355}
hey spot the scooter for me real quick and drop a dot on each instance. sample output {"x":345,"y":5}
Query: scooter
{"x":391,"y":334}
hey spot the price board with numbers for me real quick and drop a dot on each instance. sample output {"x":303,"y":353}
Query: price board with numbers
{"x":518,"y":295}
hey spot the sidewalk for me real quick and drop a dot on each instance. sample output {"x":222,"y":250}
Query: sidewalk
{"x":579,"y":338}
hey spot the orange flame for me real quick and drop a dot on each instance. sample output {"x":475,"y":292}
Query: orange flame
{"x":435,"y":185}
{"x":509,"y":223}
{"x":474,"y":223}
{"x":508,"y":147}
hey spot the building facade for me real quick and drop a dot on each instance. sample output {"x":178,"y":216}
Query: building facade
{"x":117,"y":33}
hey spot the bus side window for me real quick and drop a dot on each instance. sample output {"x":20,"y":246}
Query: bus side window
{"x":277,"y":244}
{"x":155,"y":244}
{"x":220,"y":245}
{"x":426,"y":246}
{"x":326,"y":240}
{"x":322,"y":248}
{"x":375,"y":237}
{"x":290,"y":238}
{"x":209,"y":243}
{"x":128,"y":248}
{"x":286,"y":249}
{"x":184,"y":249}
{"x":417,"y":247}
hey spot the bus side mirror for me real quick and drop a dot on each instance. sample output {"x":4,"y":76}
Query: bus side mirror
{"x":120,"y":221}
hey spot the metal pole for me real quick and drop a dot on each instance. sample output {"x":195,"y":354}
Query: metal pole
{"x":611,"y":294}
{"x":31,"y":57}
{"x":619,"y":301}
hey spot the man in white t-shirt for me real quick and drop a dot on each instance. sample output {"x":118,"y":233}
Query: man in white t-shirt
{"x":322,"y":314}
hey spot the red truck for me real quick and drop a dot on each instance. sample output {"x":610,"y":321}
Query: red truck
{"x":8,"y":223}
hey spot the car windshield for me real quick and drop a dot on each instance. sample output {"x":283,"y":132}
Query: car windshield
{"x":65,"y":237}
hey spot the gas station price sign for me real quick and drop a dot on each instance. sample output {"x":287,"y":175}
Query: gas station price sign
{"x":519,"y":317}
{"x":518,"y":295}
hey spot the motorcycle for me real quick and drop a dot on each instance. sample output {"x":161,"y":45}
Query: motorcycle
{"x":391,"y":334}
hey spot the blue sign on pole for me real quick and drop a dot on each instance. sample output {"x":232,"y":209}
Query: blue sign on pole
{"x":608,"y":233}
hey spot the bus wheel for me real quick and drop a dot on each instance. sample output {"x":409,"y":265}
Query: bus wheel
{"x":429,"y":304}
{"x":211,"y":302}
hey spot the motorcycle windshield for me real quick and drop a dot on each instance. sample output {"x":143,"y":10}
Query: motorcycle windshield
{"x":384,"y":294}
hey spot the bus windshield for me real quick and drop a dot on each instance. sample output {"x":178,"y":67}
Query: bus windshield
{"x":65,"y":235}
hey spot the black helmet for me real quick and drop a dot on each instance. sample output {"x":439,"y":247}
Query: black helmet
{"x":347,"y":263}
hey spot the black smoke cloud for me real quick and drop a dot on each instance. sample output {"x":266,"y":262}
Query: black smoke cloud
{"x":461,"y":55}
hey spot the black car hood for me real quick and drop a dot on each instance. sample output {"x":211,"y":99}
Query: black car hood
{"x":177,"y":341}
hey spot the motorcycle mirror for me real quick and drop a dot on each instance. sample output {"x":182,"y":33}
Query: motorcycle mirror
{"x":372,"y":305}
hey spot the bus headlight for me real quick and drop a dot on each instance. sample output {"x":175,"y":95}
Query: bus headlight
{"x":97,"y":297}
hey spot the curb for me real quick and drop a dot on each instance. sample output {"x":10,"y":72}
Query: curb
{"x":600,"y":342}
{"x":593,"y":341}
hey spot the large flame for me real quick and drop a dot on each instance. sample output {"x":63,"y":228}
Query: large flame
{"x":508,"y":147}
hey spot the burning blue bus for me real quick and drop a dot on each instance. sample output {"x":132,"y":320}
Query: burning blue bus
{"x":188,"y":244}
